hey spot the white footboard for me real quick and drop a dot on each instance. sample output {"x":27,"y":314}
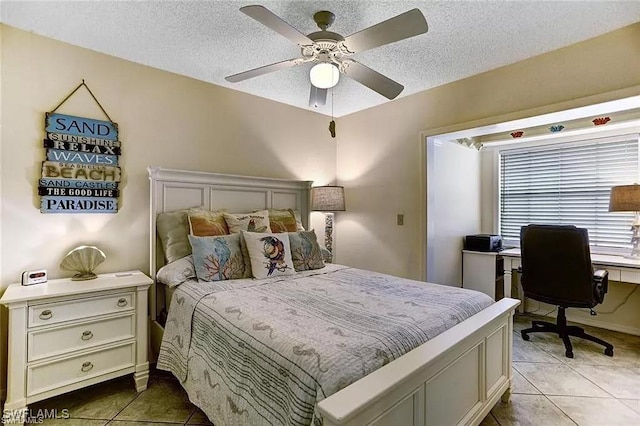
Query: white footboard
{"x":454,"y":379}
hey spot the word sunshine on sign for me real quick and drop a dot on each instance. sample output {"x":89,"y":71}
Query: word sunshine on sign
{"x":80,"y":173}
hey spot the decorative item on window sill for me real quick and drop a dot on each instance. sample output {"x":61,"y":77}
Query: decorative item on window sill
{"x":84,"y":260}
{"x":600,"y":121}
{"x":328,"y":199}
{"x":557,"y":128}
{"x":626,"y":198}
{"x":470,"y":142}
{"x":517,"y":134}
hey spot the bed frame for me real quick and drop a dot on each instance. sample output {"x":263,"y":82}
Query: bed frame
{"x":453,"y":379}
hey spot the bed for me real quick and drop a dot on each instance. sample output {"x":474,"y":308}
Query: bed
{"x":340,"y":374}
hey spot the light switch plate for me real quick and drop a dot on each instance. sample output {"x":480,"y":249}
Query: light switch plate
{"x":400,"y":219}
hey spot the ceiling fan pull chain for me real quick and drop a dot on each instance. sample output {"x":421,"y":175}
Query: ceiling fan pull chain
{"x":332,"y":124}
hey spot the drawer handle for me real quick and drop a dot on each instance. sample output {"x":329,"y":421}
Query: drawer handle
{"x":46,"y":314}
{"x":86,"y":366}
{"x":122,"y":302}
{"x":87,"y":335}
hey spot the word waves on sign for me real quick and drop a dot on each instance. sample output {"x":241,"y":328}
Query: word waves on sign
{"x":78,"y":205}
{"x":78,"y":192}
{"x":81,"y":126}
{"x":81,"y":139}
{"x":68,"y":183}
{"x":81,"y":157}
{"x":82,"y":147}
{"x":52,"y":169}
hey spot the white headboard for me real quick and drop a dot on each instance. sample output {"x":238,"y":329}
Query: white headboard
{"x":173,"y":190}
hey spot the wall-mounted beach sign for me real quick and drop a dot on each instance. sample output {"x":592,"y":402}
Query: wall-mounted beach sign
{"x":80,"y":173}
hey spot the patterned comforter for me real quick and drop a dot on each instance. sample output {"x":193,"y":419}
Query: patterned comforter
{"x":253,"y":352}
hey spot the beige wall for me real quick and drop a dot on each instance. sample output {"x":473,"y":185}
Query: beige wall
{"x":164,"y":120}
{"x":379,"y":150}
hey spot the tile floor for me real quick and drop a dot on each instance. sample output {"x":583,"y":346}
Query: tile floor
{"x":549,"y":389}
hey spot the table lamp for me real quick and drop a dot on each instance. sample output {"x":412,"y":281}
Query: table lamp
{"x":626,"y":198}
{"x":328,"y":199}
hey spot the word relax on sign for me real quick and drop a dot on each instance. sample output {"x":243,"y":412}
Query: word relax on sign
{"x":82,"y":147}
{"x":80,"y":126}
{"x":81,"y":157}
{"x":74,"y":171}
{"x":78,"y":204}
{"x":79,"y":192}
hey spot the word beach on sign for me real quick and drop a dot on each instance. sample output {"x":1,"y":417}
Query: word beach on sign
{"x":52,"y":169}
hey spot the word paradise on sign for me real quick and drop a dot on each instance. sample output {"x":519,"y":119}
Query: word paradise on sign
{"x":78,"y":205}
{"x":80,"y":173}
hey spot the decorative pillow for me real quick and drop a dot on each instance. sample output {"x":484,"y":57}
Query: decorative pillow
{"x":305,"y":251}
{"x":270,"y":254}
{"x":282,"y":220}
{"x":252,"y":222}
{"x":205,"y":223}
{"x":177,"y":272}
{"x":172,"y":229}
{"x":217,"y":258}
{"x":299,"y":226}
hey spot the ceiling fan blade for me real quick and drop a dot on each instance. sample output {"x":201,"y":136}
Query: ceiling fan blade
{"x":264,"y":70}
{"x":373,"y":79}
{"x":405,"y":25}
{"x":277,"y":24}
{"x":317,"y":97}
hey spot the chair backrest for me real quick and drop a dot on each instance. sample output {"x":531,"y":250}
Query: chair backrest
{"x":556,"y":265}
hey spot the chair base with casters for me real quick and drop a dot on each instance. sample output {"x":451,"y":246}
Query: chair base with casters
{"x":564,"y":331}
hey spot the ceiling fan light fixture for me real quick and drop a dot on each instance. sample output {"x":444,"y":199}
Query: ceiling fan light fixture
{"x":324,"y":75}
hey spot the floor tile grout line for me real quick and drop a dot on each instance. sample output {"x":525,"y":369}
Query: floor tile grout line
{"x":561,"y":410}
{"x":130,"y":402}
{"x":594,"y":383}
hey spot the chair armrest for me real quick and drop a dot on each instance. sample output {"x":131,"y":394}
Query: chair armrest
{"x":600,"y":284}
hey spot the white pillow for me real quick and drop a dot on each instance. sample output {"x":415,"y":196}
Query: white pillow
{"x":270,"y":254}
{"x":177,"y":272}
{"x":252,"y":222}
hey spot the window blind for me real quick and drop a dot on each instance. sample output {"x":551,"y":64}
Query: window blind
{"x":569,"y":185}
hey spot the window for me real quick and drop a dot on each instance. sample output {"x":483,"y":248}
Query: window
{"x":568,"y":184}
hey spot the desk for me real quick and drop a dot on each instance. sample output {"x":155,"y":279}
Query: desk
{"x":620,"y":269}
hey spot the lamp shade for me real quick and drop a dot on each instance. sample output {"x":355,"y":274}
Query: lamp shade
{"x":324,"y":75}
{"x":625,"y":198}
{"x":327,"y":199}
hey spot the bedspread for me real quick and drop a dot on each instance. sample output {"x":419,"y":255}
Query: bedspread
{"x":252,"y":352}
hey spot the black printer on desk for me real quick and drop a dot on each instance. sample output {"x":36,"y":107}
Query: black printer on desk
{"x":483,"y":242}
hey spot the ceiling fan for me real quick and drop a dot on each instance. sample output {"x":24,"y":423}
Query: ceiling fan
{"x":332,"y":52}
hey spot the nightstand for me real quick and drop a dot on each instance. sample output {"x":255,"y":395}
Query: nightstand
{"x":65,"y":335}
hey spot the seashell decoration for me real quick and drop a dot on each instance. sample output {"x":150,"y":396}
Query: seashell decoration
{"x":601,"y":121}
{"x":556,"y":128}
{"x":84,"y":260}
{"x":517,"y":134}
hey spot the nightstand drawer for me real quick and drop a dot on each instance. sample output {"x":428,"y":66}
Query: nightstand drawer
{"x":52,"y":313}
{"x":43,"y":377}
{"x":47,"y":342}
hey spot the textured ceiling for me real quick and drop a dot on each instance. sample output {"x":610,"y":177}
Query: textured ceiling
{"x":209,"y":40}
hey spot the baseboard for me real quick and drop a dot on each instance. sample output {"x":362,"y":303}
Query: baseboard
{"x":588,"y":321}
{"x":606,"y":325}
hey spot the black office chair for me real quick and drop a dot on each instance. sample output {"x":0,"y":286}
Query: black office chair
{"x":556,"y":269}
